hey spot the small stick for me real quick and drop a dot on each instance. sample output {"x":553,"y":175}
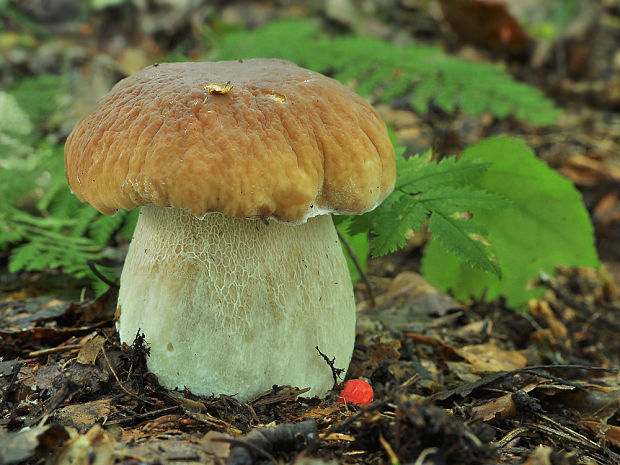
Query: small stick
{"x":143,"y":416}
{"x":101,"y":277}
{"x":388,"y":449}
{"x":54,"y":350}
{"x":336,"y":372}
{"x":358,"y":266}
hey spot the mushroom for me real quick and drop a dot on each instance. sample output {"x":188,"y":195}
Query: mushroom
{"x":235,"y":272}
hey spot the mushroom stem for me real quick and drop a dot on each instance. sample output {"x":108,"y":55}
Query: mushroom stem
{"x":234,"y":306}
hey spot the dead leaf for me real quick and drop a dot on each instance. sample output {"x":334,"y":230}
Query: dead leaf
{"x":30,"y":442}
{"x":462,"y":370}
{"x":498,"y":409}
{"x":586,"y":171}
{"x":611,"y":433}
{"x":84,"y":416}
{"x":93,"y":448}
{"x":90,"y":351}
{"x":409,"y":290}
{"x":489,"y":357}
{"x":213,"y":444}
{"x":320,"y":411}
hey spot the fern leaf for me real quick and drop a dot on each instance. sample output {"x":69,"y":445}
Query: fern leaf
{"x":394,"y":221}
{"x":427,"y":72}
{"x":447,"y":97}
{"x":103,"y":227}
{"x":423,"y":93}
{"x":417,"y":174}
{"x":447,"y":198}
{"x":22,"y":256}
{"x":457,"y":235}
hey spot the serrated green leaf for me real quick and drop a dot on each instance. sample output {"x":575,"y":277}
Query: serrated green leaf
{"x":473,"y":99}
{"x":447,"y":97}
{"x":457,"y":235}
{"x":393,"y":219}
{"x":547,"y":226}
{"x":103,"y":226}
{"x":423,"y":93}
{"x":449,"y":198}
{"x":416,"y":174}
{"x":360,"y":224}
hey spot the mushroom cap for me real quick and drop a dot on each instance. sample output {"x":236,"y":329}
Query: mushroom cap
{"x":247,"y":138}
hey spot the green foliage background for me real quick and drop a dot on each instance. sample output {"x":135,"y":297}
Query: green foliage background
{"x":44,"y":225}
{"x":423,"y":73}
{"x":546,"y":225}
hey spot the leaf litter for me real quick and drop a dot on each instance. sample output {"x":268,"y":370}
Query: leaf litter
{"x":462,"y":384}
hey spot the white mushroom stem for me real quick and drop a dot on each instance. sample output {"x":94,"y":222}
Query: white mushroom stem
{"x":234,"y":306}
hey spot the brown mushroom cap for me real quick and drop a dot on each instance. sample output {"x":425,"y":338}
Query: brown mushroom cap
{"x":282,"y":142}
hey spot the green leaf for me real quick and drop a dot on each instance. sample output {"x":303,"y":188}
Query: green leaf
{"x":393,"y":219}
{"x":417,"y":174}
{"x":547,"y":226}
{"x":458,"y":236}
{"x":461,"y":199}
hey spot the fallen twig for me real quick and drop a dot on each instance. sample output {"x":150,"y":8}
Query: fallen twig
{"x":137,"y":417}
{"x":101,"y":277}
{"x":336,"y":372}
{"x":54,"y":350}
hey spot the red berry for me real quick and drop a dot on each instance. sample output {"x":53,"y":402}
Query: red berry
{"x":356,"y":391}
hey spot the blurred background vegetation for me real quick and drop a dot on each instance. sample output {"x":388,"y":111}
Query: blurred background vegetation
{"x":442,"y":73}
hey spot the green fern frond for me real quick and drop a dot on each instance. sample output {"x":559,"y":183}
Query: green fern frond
{"x":103,"y":227}
{"x":440,"y":191}
{"x":41,"y":221}
{"x":387,"y":70}
{"x":461,"y":237}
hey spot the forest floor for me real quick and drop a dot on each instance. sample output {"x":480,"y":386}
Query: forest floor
{"x":454,"y":383}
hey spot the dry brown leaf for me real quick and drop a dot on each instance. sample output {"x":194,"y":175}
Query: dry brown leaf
{"x":463,"y":371}
{"x":586,"y":171}
{"x":23,"y":445}
{"x":83,"y":416}
{"x":594,"y":402}
{"x":489,"y":357}
{"x":320,"y":411}
{"x":90,"y":351}
{"x":214,"y":445}
{"x":93,"y":448}
{"x":609,"y":432}
{"x":498,"y":409}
